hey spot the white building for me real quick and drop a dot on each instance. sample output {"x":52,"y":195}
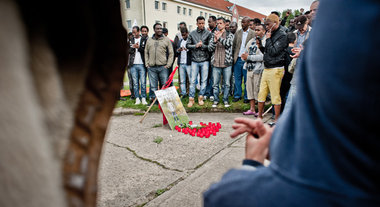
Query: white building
{"x":170,"y":12}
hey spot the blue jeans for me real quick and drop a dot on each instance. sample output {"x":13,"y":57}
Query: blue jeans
{"x":184,"y":72}
{"x":239,"y":74}
{"x":201,"y":67}
{"x":290,"y":99}
{"x":217,"y":72}
{"x":157,"y":74}
{"x":138,"y":76}
{"x":209,"y":87}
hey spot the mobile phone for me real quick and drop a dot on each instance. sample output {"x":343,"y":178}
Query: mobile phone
{"x":270,"y":30}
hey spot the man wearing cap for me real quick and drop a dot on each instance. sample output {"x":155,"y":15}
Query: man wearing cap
{"x":274,"y":62}
{"x":303,"y":30}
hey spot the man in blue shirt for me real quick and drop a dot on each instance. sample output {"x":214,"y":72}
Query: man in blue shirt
{"x":326,"y":151}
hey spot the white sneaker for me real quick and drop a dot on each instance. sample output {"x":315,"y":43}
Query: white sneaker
{"x":215,"y":104}
{"x":226,"y":104}
{"x":211,"y":98}
{"x":138,"y":101}
{"x":143,"y":101}
{"x":204,"y":98}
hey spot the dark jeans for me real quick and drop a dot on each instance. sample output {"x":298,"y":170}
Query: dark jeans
{"x":239,"y":73}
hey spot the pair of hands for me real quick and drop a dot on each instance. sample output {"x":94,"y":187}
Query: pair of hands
{"x":199,"y":44}
{"x":136,"y":45}
{"x":296,"y":51}
{"x":181,"y":49}
{"x":256,"y":148}
{"x":217,"y":35}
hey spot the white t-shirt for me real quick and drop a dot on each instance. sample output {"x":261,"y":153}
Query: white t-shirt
{"x":138,"y":59}
{"x":243,"y":41}
{"x":183,"y":52}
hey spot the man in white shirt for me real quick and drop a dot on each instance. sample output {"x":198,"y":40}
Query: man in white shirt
{"x":138,"y":69}
{"x":241,"y":39}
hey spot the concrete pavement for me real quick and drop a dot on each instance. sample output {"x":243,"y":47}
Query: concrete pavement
{"x":136,"y":171}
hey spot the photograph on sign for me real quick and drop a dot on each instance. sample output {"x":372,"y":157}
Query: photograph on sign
{"x":172,"y":107}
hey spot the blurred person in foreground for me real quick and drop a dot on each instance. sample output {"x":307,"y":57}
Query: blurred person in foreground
{"x":326,"y":152}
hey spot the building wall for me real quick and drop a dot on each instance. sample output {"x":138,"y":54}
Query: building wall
{"x":169,"y":17}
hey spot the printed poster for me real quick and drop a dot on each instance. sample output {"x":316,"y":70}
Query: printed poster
{"x":172,"y":107}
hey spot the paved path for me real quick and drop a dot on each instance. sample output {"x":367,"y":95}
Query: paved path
{"x":136,"y":171}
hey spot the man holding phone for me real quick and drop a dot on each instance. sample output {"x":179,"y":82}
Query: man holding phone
{"x":274,"y":61}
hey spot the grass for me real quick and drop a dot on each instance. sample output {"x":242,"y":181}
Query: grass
{"x":158,"y":140}
{"x":236,"y":107}
{"x":157,"y":125}
{"x":160,"y":191}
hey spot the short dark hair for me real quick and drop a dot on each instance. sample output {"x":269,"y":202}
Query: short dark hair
{"x":165,"y":30}
{"x":200,"y":18}
{"x":221,"y":18}
{"x":182,"y":23}
{"x":154,"y":26}
{"x":227,"y":20}
{"x":213,"y":18}
{"x":184,"y":30}
{"x":276,"y":13}
{"x":256,"y":21}
{"x":308,"y":12}
{"x":263,"y":26}
{"x":291,"y":37}
{"x":136,"y":27}
{"x":144,"y":27}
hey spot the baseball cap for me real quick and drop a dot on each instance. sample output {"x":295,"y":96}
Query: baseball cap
{"x":300,"y":22}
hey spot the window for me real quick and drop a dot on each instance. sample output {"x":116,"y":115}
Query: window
{"x":128,"y":3}
{"x":201,"y":14}
{"x":163,"y":6}
{"x":178,"y":9}
{"x":206,"y":15}
{"x":156,"y":5}
{"x":184,"y":11}
{"x":190,"y":28}
{"x":190,"y":10}
{"x":129,"y":24}
{"x":165,"y":24}
{"x":157,"y":21}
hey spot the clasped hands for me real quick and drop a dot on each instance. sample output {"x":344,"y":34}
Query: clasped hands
{"x":257,"y":139}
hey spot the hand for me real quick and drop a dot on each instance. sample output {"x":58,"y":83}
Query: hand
{"x":136,"y":45}
{"x":255,"y":148}
{"x":180,"y":49}
{"x":296,"y":51}
{"x":258,"y":42}
{"x":244,"y":56}
{"x":199,"y":44}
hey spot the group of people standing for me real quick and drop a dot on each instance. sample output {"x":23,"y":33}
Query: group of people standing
{"x":221,"y":60}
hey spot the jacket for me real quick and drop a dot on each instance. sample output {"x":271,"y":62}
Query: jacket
{"x":227,"y":43}
{"x":199,"y":54}
{"x":132,"y":51}
{"x":275,"y":49}
{"x":237,"y":42}
{"x":156,"y":50}
{"x":178,"y":54}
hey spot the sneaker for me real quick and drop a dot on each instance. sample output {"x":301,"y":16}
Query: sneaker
{"x":226,"y":104}
{"x":143,"y":101}
{"x":137,"y":101}
{"x":215,"y":104}
{"x":236,"y":99}
{"x":211,"y":98}
{"x":204,"y":98}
